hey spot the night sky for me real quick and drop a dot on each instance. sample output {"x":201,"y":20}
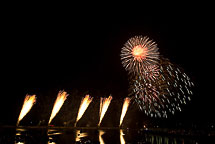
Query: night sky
{"x":44,"y":53}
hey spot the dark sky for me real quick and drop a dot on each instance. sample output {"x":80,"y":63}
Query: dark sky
{"x":45,"y":53}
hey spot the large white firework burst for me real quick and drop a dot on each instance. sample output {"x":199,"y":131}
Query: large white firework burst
{"x":138,"y":53}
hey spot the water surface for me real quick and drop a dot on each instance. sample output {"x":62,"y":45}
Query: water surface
{"x":44,"y":135}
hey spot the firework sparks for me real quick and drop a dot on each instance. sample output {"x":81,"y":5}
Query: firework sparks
{"x":158,"y":85}
{"x":139,"y":52}
{"x":124,"y":109}
{"x":166,"y":93}
{"x":152,"y":72}
{"x":29,"y":101}
{"x":62,"y":95}
{"x":104,"y":104}
{"x":83,"y":106}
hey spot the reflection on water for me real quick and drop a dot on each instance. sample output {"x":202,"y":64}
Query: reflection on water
{"x":160,"y":140}
{"x":122,"y":140}
{"x":91,"y":136}
{"x":80,"y":135}
{"x":101,"y":132}
{"x":51,"y":133}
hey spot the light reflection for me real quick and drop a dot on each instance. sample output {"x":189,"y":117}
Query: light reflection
{"x":122,"y":140}
{"x":19,"y":142}
{"x":80,"y":135}
{"x":18,"y":133}
{"x":50,"y":141}
{"x":160,"y":139}
{"x":101,"y":132}
{"x":53,"y":132}
{"x":18,"y":137}
{"x":51,"y":136}
{"x":20,"y":129}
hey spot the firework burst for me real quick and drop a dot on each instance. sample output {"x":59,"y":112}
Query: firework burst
{"x":138,"y":53}
{"x":159,"y":87}
{"x":169,"y":89}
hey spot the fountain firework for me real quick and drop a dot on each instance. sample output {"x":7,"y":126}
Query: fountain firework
{"x":104,"y":104}
{"x":62,"y":95}
{"x":29,"y":101}
{"x":83,"y":106}
{"x":124,"y":109}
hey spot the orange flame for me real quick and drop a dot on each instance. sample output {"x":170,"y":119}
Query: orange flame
{"x":62,"y":95}
{"x":124,"y":109}
{"x":29,"y":101}
{"x":83,"y":106}
{"x":104,"y":104}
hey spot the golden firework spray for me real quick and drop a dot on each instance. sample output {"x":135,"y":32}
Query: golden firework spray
{"x":83,"y":106}
{"x":124,"y":109}
{"x":104,"y":104}
{"x":62,"y":95}
{"x":29,"y":101}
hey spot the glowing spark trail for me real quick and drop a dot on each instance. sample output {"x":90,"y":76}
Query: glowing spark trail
{"x":104,"y":104}
{"x":62,"y":95}
{"x":124,"y":109}
{"x":29,"y":101}
{"x":83,"y":106}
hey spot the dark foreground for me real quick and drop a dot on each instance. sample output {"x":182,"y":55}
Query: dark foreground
{"x":93,"y":135}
